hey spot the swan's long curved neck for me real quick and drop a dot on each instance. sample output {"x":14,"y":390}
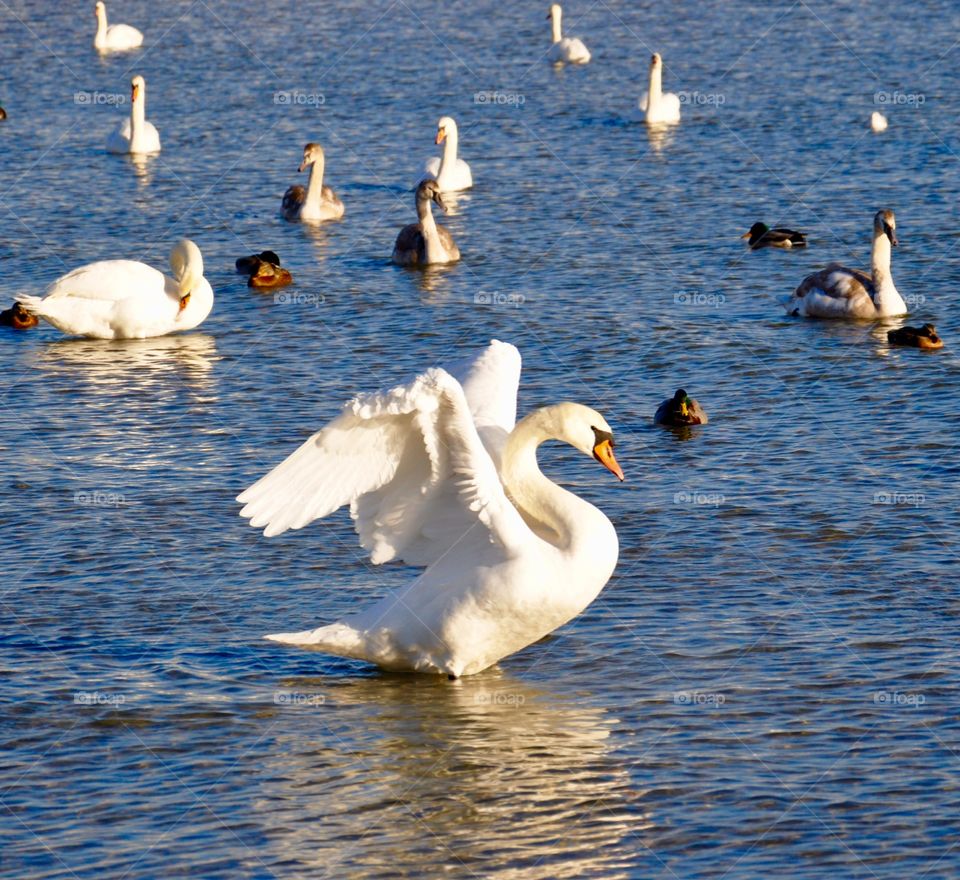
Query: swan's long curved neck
{"x":101,"y":24}
{"x":138,"y":116}
{"x":428,"y":228}
{"x":555,"y":24}
{"x":655,"y":91}
{"x":547,"y":507}
{"x":886,"y":297}
{"x":315,"y":185}
{"x":449,"y":157}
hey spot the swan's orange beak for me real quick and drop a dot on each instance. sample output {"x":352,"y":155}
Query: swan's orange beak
{"x":184,"y":301}
{"x":133,"y":93}
{"x":441,"y":134}
{"x":603,"y":452}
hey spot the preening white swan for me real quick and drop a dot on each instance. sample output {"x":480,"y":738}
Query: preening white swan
{"x":839,"y":292}
{"x":317,"y":202}
{"x":878,"y":122}
{"x":437,"y":475}
{"x":451,"y":173}
{"x":123,"y":299}
{"x":569,"y":50}
{"x":115,"y":37}
{"x":425,"y":243}
{"x":135,"y":134}
{"x":660,"y":107}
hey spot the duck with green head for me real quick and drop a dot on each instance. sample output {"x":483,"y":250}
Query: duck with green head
{"x":761,"y":236}
{"x":679,"y":411}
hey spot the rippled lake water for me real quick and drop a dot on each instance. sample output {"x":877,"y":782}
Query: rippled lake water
{"x":768,"y":684}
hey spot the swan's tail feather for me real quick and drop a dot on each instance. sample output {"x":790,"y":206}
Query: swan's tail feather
{"x":33,"y":304}
{"x":337,"y":638}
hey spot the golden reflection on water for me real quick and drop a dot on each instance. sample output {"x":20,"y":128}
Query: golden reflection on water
{"x":484,"y":770}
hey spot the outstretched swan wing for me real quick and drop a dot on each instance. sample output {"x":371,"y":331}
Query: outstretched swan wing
{"x":410,"y":463}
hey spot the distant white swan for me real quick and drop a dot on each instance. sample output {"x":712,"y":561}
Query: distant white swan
{"x":316,"y":202}
{"x":115,"y":37}
{"x":123,"y":299}
{"x":451,"y":173}
{"x":839,"y":292}
{"x":660,"y":107}
{"x":438,"y":475}
{"x":569,"y":50}
{"x":135,"y":134}
{"x":878,"y":122}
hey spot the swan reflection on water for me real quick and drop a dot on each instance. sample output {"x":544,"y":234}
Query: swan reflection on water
{"x":483,"y":768}
{"x":132,"y":362}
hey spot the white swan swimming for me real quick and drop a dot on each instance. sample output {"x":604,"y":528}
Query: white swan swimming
{"x":569,"y":50}
{"x":659,"y":107}
{"x":316,"y":202}
{"x":437,"y":474}
{"x":425,"y":243}
{"x":135,"y":134}
{"x":878,"y":122}
{"x":839,"y":292}
{"x":123,"y":299}
{"x":115,"y":37}
{"x":451,"y":173}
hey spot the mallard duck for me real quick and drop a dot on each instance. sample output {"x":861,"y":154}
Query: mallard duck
{"x":264,"y":270}
{"x":18,"y":318}
{"x":761,"y":235}
{"x":918,"y":337}
{"x":249,"y":265}
{"x":680,"y":410}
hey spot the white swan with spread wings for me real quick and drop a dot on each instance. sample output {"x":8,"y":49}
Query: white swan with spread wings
{"x":437,"y":475}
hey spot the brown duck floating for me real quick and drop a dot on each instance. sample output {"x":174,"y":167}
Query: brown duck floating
{"x":917,"y":337}
{"x":18,"y":318}
{"x":679,"y":411}
{"x":264,"y":270}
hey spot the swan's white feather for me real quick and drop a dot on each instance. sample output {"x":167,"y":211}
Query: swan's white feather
{"x":410,"y":462}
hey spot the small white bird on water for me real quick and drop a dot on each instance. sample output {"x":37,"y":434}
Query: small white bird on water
{"x":438,"y":475}
{"x":114,"y":37}
{"x":135,"y":134}
{"x":124,"y":299}
{"x":564,"y":50}
{"x":878,"y":122}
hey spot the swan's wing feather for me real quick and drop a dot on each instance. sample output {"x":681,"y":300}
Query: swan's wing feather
{"x":838,"y":282}
{"x":110,"y":280}
{"x":412,"y":467}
